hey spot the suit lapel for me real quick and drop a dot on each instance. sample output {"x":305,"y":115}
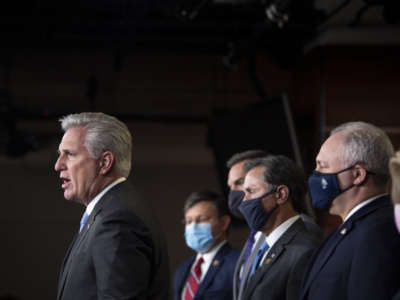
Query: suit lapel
{"x":274,"y":253}
{"x":77,"y":241}
{"x":248,"y":265}
{"x":64,"y":269}
{"x":236,"y":274}
{"x":331,"y":243}
{"x":328,"y":248}
{"x":215,"y":266}
{"x":184,"y":275}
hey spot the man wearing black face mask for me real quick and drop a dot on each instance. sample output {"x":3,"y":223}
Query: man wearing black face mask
{"x":360,"y":259}
{"x":235,"y":182}
{"x":275,"y":189}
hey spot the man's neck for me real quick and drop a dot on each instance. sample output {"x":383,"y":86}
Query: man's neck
{"x":283,"y":214}
{"x":362,"y":196}
{"x":101,"y":185}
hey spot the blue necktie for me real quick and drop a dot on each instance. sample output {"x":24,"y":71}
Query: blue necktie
{"x":259,"y":255}
{"x":83,"y":220}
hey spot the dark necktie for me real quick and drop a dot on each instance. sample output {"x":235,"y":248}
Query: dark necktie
{"x":193,"y":281}
{"x":249,"y":245}
{"x":257,"y":260}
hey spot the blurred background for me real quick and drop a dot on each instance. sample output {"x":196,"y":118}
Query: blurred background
{"x":196,"y":81}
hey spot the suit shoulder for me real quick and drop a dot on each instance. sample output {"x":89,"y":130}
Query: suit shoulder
{"x":378,"y":226}
{"x":184,"y":264}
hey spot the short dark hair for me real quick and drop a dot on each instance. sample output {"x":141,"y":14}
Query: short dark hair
{"x":242,"y":156}
{"x":280,"y":170}
{"x":216,"y":199}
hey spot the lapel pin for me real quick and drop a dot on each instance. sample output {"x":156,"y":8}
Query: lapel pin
{"x":216,"y":262}
{"x":268,"y":260}
{"x":273,"y":255}
{"x":343,"y":231}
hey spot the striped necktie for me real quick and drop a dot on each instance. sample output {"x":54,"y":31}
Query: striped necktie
{"x":193,"y":281}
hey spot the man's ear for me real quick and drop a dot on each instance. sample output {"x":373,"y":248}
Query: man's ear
{"x":226,"y":221}
{"x":106,"y":162}
{"x":282,"y":194}
{"x":360,"y":175}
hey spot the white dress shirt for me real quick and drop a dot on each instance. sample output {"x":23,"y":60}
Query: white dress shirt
{"x":361,"y":205}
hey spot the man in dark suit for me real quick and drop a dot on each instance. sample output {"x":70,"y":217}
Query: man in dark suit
{"x":208,"y":274}
{"x":275,"y":188}
{"x":119,"y":252}
{"x":360,"y":259}
{"x":255,"y":239}
{"x":236,"y":176}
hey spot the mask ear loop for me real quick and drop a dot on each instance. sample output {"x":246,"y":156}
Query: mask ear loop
{"x":359,"y":184}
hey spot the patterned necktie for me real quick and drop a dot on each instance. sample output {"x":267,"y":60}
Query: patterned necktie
{"x":83,"y":220}
{"x":193,"y":281}
{"x":260,"y":254}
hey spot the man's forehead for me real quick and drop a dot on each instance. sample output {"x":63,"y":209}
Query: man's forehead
{"x":236,"y":171}
{"x":331,"y":149}
{"x":255,"y":175}
{"x":73,"y":137}
{"x":201,"y":207}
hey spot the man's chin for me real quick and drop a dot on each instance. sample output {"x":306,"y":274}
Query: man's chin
{"x":69,"y":196}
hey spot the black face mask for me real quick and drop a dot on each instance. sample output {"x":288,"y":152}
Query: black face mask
{"x":254,"y":212}
{"x":235,"y":197}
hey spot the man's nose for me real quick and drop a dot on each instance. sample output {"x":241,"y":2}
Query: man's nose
{"x":58,"y":164}
{"x":246,"y":197}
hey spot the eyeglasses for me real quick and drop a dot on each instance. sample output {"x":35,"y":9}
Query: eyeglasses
{"x":200,"y":219}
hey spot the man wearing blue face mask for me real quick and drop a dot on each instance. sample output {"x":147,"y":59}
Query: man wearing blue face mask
{"x":208,"y":274}
{"x":360,"y":259}
{"x":275,"y":189}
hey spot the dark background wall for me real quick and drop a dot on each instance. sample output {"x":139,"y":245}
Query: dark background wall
{"x":167,"y":88}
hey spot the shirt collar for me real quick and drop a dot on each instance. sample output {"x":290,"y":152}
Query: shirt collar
{"x":209,"y":256}
{"x":278,"y":231}
{"x":361,"y":205}
{"x":96,"y":199}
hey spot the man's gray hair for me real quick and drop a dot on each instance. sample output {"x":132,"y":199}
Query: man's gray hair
{"x":104,"y":133}
{"x":368,"y":145}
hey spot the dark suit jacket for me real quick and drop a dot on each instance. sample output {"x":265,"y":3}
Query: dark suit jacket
{"x":217,"y":283}
{"x":119,"y":254}
{"x":240,"y":278}
{"x":397,"y":296}
{"x":238,"y":285}
{"x":280,"y":275}
{"x":360,"y":260}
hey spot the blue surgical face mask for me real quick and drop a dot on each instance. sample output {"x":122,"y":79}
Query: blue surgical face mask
{"x":199,"y":237}
{"x":235,"y":197}
{"x":324,"y":188}
{"x":254,"y":211}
